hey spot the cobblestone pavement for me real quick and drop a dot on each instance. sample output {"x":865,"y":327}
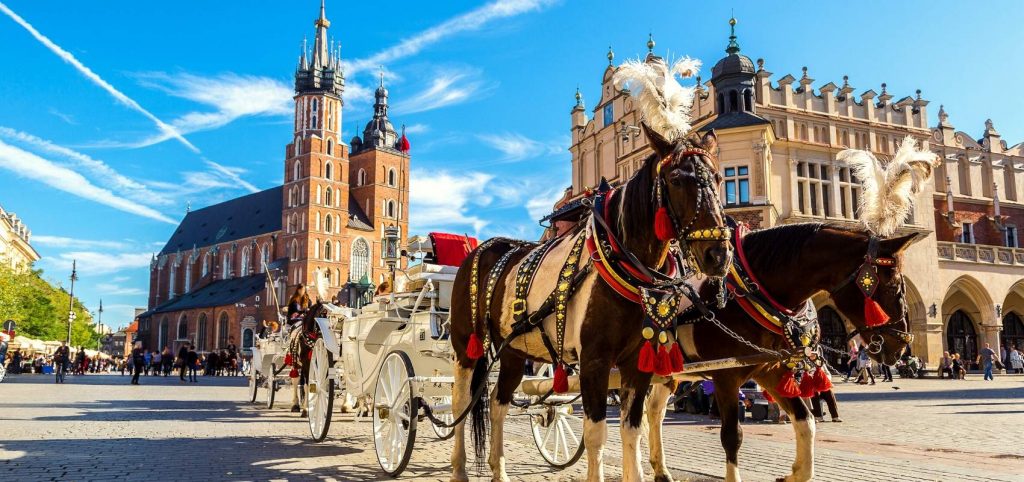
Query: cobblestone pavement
{"x":98,"y":427}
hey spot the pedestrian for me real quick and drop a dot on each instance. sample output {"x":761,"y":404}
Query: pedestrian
{"x":61,"y":357}
{"x":945,"y":365}
{"x":182,"y":361}
{"x":959,"y":373}
{"x":138,"y":362}
{"x":192,"y":360}
{"x":852,"y":364}
{"x":886,"y":372}
{"x":864,"y":365}
{"x":1016,"y":360}
{"x":147,"y":360}
{"x":986,"y":359}
{"x":157,"y":361}
{"x":168,"y":360}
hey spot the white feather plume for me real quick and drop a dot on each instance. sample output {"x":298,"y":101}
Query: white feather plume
{"x":320,"y":283}
{"x":888,"y":191}
{"x":663,"y":102}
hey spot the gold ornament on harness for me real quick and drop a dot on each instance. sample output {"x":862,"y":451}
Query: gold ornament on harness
{"x":647,"y":332}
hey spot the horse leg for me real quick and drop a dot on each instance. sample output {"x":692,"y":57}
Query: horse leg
{"x":461,"y":398}
{"x":634,"y":392}
{"x":656,"y":402}
{"x":728,"y":400}
{"x":594,"y":385}
{"x":511,"y":373}
{"x":304,"y":381}
{"x":803,"y":427}
{"x":295,"y":392}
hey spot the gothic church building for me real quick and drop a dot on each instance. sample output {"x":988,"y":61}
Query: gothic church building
{"x":210,"y":283}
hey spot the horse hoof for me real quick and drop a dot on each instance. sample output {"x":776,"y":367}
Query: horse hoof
{"x":663,"y":478}
{"x":295,"y":408}
{"x":305,"y":414}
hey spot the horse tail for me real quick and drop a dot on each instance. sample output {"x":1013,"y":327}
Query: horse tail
{"x":478,"y":389}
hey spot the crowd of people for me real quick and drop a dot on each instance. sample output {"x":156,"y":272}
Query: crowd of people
{"x":187,"y":362}
{"x":78,"y":363}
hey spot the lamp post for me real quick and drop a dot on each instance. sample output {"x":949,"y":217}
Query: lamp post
{"x":391,"y":253}
{"x":99,"y":341}
{"x":71,"y":303}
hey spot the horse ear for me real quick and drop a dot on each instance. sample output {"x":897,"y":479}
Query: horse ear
{"x":710,"y":141}
{"x":898,"y":245}
{"x":660,"y":144}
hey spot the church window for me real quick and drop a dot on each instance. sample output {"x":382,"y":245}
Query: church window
{"x":327,"y":197}
{"x":293,"y":250}
{"x":188,"y":276}
{"x":170,"y":281}
{"x":244,"y":270}
{"x":733,"y":101}
{"x":316,"y":248}
{"x":360,"y":259}
{"x":327,"y":224}
{"x":206,"y":264}
{"x":327,"y":274}
{"x":608,"y":114}
{"x":298,"y":146}
{"x":329,"y":168}
{"x":392,"y":178}
{"x":265,"y":257}
{"x":327,"y":250}
{"x":313,"y":124}
{"x":296,"y":171}
{"x":361,"y":177}
{"x":183,"y":327}
{"x":225,"y":265}
{"x":314,"y":105}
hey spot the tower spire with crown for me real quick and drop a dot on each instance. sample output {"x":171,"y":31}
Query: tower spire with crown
{"x":320,"y":54}
{"x":734,"y":46}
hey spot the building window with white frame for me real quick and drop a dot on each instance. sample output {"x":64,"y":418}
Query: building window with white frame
{"x":849,"y":194}
{"x":814,"y":188}
{"x":967,"y":233}
{"x":360,"y":260}
{"x":737,"y":185}
{"x":1011,"y":237}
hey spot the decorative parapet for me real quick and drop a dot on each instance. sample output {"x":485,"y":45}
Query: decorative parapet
{"x":980,"y":254}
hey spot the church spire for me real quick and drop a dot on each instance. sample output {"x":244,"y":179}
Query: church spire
{"x":734,"y":46}
{"x":320,"y":53}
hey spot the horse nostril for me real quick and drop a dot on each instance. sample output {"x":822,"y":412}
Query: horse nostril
{"x":718,"y":255}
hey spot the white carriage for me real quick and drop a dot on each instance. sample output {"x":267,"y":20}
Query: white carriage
{"x":394,"y":357}
{"x":268,"y":362}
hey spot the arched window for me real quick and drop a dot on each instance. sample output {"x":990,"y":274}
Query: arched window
{"x":748,"y":101}
{"x":245,"y":268}
{"x":327,"y":250}
{"x":721,"y":103}
{"x":296,"y":171}
{"x":316,"y":248}
{"x":360,"y":265}
{"x":172,"y":271}
{"x":833,"y":334}
{"x":1012,"y":335}
{"x":361,"y":177}
{"x":225,"y":265}
{"x":188,"y":275}
{"x":314,"y":105}
{"x":961,"y":337}
{"x":330,"y":152}
{"x":247,"y":340}
{"x":293,"y":250}
{"x":162,"y":333}
{"x":222,"y":331}
{"x":201,"y":333}
{"x":329,"y":168}
{"x":264,"y":257}
{"x":182,"y":328}
{"x":298,"y":145}
{"x":734,"y":101}
{"x":328,"y":227}
{"x":206,"y":264}
{"x":391,"y":209}
{"x":392,"y":178}
{"x":328,"y":198}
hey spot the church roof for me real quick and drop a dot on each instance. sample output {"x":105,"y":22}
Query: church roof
{"x":734,"y":119}
{"x":239,"y":218}
{"x":219,"y":293}
{"x":357,"y":219}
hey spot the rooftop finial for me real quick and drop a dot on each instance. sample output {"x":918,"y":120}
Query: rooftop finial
{"x":650,"y":43}
{"x":918,"y":94}
{"x":382,"y":76}
{"x":805,"y":71}
{"x":734,"y":46}
{"x":579,"y":97}
{"x":883,"y":88}
{"x":846,"y":81}
{"x":611,"y":55}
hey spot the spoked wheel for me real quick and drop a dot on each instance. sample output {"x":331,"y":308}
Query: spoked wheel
{"x":320,"y":391}
{"x":444,"y":433}
{"x":558,"y":432}
{"x":271,"y":386}
{"x":394,"y":414}
{"x":254,"y":386}
{"x":3,"y":372}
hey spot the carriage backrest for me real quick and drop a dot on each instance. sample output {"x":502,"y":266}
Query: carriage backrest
{"x":451,"y":249}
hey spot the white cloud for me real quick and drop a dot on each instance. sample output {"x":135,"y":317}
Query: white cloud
{"x":442,"y":200}
{"x":542,"y":204}
{"x":31,"y":166}
{"x":231,"y":96}
{"x":68,"y":118}
{"x":448,"y":87}
{"x":232,"y":173}
{"x":114,"y":289}
{"x":417,"y":129}
{"x":66,"y":56}
{"x":74,"y":243}
{"x":516,"y":147}
{"x":473,"y":20}
{"x":121,"y":279}
{"x":93,"y":263}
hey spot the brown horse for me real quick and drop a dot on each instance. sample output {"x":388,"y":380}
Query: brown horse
{"x":602,"y":329}
{"x":791,"y":263}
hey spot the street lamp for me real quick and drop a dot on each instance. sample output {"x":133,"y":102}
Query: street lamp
{"x":71,"y":296}
{"x":391,"y":253}
{"x":99,"y":340}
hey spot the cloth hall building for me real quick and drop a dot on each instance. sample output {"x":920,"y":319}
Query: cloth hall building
{"x":210,"y":282}
{"x":778,"y":139}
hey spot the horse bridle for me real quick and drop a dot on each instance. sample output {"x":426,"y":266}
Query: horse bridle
{"x":706,"y":193}
{"x":870,"y":268}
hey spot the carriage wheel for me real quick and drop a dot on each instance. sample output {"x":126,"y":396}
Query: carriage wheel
{"x":320,"y":391}
{"x":394,"y":413}
{"x":444,"y":433}
{"x":558,"y":432}
{"x":254,"y":385}
{"x":271,"y":386}
{"x":3,"y":372}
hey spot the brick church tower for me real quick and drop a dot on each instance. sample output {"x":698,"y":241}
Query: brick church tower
{"x":316,"y":207}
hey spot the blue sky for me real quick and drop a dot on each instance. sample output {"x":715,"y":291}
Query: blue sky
{"x":117,"y":114}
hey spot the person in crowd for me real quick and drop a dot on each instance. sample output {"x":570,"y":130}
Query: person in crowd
{"x":864,"y":365}
{"x":853,"y":354}
{"x":4,"y":339}
{"x":298,"y":304}
{"x":61,"y":357}
{"x":987,"y":358}
{"x":138,"y":362}
{"x":167,"y":358}
{"x":148,"y":360}
{"x":1015,"y":361}
{"x":192,"y":360}
{"x":886,"y":372}
{"x":156,"y":361}
{"x":945,"y":365}
{"x":959,"y":372}
{"x":182,"y":361}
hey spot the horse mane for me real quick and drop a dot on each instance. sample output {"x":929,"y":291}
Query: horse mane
{"x":774,"y":248}
{"x":636,"y":200}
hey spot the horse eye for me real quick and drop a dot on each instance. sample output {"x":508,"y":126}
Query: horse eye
{"x":675,"y":177}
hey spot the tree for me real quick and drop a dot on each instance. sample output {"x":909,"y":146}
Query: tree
{"x":40,"y":309}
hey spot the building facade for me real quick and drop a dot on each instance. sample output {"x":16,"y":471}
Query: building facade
{"x":210,"y":284}
{"x":15,"y":248}
{"x":778,"y":138}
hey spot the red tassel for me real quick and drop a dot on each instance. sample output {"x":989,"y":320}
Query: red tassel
{"x":663,"y":225}
{"x":676,"y":355}
{"x":822,"y":381}
{"x":808,"y":385}
{"x":309,"y":355}
{"x":787,"y":386}
{"x":874,"y":315}
{"x":646,"y":362}
{"x":474,"y":349}
{"x":561,"y":383}
{"x":288,"y":359}
{"x":663,"y":362}
{"x":767,"y":396}
{"x":294,"y":373}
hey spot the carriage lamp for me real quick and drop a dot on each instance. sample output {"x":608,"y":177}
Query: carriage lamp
{"x":391,"y":248}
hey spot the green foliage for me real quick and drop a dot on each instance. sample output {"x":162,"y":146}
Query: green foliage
{"x":41,"y":309}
